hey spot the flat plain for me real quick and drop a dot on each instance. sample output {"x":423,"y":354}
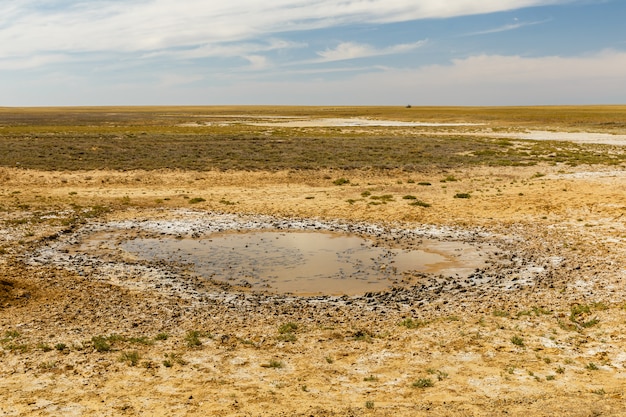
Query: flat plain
{"x":539,"y":330}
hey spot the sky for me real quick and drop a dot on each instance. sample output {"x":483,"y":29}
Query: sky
{"x":307,"y":52}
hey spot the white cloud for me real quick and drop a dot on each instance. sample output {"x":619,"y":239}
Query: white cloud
{"x":505,"y":28}
{"x":27,"y":27}
{"x":477,"y":80}
{"x":351,"y":50}
{"x":257,"y":62}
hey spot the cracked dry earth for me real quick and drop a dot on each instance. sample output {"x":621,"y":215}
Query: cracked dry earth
{"x":540,"y":329}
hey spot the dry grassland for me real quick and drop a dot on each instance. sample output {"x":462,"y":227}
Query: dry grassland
{"x":543,"y":335}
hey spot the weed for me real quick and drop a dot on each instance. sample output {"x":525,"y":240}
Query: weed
{"x":500,"y":313}
{"x":560,"y":370}
{"x":371,"y":378}
{"x":12,"y":334}
{"x":409,"y":323}
{"x":341,"y":181}
{"x":449,"y":178}
{"x":592,"y":366}
{"x":286,"y":331}
{"x":424,"y":183}
{"x":193,"y":338}
{"x":273,"y":364}
{"x":20,"y":347}
{"x":142,"y":340}
{"x":409,"y":197}
{"x":419,"y":203}
{"x":599,"y":306}
{"x":441,"y":375}
{"x":196,"y":200}
{"x":162,"y":336}
{"x":47,"y":365}
{"x":100,"y":344}
{"x":132,"y":358}
{"x":287,"y":337}
{"x":599,"y":391}
{"x":369,"y":405}
{"x":578,"y":313}
{"x":44,"y":347}
{"x":329,"y":359}
{"x":60,"y":347}
{"x":540,"y":310}
{"x":550,"y":378}
{"x":517,"y":341}
{"x":382,"y":198}
{"x":172,"y":358}
{"x":363,"y":335}
{"x":366,"y":194}
{"x":423,"y":383}
{"x":462,"y":195}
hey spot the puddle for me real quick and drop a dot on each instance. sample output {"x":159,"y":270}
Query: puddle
{"x":297,"y":262}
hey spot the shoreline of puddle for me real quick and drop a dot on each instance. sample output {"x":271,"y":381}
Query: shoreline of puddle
{"x":116,"y":267}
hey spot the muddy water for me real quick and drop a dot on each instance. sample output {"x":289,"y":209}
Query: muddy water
{"x":305,"y":263}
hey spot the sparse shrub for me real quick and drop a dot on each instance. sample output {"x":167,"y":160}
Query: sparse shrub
{"x":60,"y":347}
{"x":341,"y":181}
{"x":424,"y":183}
{"x":366,"y":194}
{"x":371,"y":378}
{"x":196,"y":200}
{"x":462,"y":195}
{"x":370,"y":404}
{"x":409,"y":197}
{"x":423,"y":383}
{"x":592,"y":366}
{"x":162,"y":336}
{"x":500,"y":313}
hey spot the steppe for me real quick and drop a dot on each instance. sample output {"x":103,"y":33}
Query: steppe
{"x":539,"y":331}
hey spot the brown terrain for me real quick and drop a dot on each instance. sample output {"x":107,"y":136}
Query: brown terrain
{"x":540,"y":330}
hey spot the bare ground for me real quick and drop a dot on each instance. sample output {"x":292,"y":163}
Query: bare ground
{"x":76,"y":343}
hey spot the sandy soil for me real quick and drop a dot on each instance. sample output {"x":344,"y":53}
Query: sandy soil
{"x":540,"y":332}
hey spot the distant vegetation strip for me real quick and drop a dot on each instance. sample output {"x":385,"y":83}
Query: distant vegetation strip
{"x":123,"y":139}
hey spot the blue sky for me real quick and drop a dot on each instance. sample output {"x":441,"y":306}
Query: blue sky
{"x":326,"y":52}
